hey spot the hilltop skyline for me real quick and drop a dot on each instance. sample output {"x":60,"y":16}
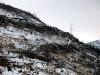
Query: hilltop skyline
{"x":83,"y":15}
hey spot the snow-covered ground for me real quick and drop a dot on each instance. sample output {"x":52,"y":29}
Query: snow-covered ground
{"x":23,"y":39}
{"x":13,"y":15}
{"x":25,"y":66}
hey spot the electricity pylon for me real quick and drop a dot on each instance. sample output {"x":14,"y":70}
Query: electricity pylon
{"x":71,"y":28}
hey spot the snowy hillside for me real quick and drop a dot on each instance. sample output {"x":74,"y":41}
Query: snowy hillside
{"x":30,"y":47}
{"x":95,"y":43}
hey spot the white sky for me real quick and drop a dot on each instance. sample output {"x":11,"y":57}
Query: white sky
{"x":83,"y":14}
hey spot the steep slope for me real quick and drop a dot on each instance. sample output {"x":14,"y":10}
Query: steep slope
{"x":95,"y":43}
{"x":30,"y":47}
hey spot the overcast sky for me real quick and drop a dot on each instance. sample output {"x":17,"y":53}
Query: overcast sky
{"x":83,"y":14}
